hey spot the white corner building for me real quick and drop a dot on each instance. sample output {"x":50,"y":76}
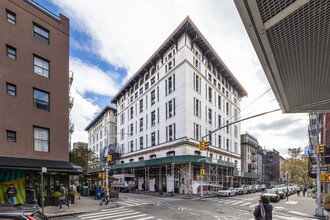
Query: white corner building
{"x":102,"y":131}
{"x":183,"y":92}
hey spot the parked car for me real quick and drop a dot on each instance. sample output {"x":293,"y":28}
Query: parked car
{"x":258,"y":188}
{"x":286,"y":191}
{"x":272,"y":194}
{"x":249,"y":189}
{"x":253,"y":189}
{"x":282,"y":193}
{"x":21,"y":212}
{"x":240,"y":190}
{"x":227,"y":192}
{"x":263,"y":187}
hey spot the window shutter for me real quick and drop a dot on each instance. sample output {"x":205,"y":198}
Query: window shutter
{"x":173,"y":82}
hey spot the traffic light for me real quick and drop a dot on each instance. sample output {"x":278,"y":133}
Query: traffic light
{"x":320,"y":149}
{"x":203,"y":145}
{"x":202,"y":172}
{"x":103,"y":175}
{"x":100,"y":175}
{"x":109,"y":157}
{"x":325,"y":178}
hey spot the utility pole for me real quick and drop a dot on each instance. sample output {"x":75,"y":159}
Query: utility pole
{"x":202,"y":176}
{"x":287,"y":187}
{"x":318,"y":209}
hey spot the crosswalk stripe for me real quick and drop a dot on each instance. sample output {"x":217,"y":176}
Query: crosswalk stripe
{"x":116,"y":216}
{"x":238,"y":202}
{"x":130,"y":212}
{"x":105,"y":211}
{"x":248,"y":203}
{"x":136,"y":216}
{"x":145,"y":218}
{"x":230,"y":201}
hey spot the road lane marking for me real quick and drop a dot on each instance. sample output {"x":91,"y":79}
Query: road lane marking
{"x":106,"y":215}
{"x":108,"y":211}
{"x":246,"y":204}
{"x":132,"y":215}
{"x":299,"y":213}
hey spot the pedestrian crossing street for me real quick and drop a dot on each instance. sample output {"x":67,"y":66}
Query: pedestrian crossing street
{"x":129,"y":202}
{"x":120,"y":213}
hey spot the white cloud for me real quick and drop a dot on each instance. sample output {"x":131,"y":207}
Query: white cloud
{"x":91,"y":79}
{"x":126,"y":33}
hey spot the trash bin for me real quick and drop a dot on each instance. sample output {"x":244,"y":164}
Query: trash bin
{"x":85,"y":191}
{"x":160,"y":191}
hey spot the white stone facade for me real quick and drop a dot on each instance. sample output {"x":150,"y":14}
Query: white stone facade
{"x":175,"y":100}
{"x":102,"y":131}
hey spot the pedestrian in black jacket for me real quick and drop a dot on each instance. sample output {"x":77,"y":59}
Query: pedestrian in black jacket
{"x":12,"y":193}
{"x":263,"y":202}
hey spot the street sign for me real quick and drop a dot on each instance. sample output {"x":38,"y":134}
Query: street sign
{"x":314,"y":169}
{"x":44,"y":169}
{"x":101,"y":164}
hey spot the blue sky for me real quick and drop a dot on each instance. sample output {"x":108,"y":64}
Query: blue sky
{"x":110,"y":40}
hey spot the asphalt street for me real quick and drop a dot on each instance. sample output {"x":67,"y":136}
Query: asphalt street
{"x":143,"y":207}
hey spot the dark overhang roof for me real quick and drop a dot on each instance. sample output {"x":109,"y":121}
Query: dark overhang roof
{"x":36,"y":164}
{"x":100,"y":115}
{"x":190,"y":28}
{"x":291,"y":39}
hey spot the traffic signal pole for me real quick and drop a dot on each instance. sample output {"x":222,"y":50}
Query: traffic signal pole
{"x":318,"y":209}
{"x":202,"y":176}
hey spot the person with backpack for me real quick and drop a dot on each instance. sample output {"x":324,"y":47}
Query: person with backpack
{"x":64,"y":192}
{"x":264,"y":210}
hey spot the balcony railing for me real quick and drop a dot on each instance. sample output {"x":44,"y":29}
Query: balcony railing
{"x":70,"y":78}
{"x":71,"y":127}
{"x":71,"y":99}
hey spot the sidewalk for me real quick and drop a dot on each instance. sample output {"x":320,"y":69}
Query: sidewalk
{"x":85,"y":204}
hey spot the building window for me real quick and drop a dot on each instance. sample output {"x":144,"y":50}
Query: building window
{"x":170,"y":154}
{"x":122,"y":118}
{"x":170,"y":133}
{"x":146,"y":86}
{"x":197,"y":130}
{"x":137,"y":94}
{"x":11,"y":136}
{"x":141,"y":124}
{"x":235,"y":131}
{"x":41,"y":33}
{"x":227,"y":144}
{"x":210,"y":137}
{"x":171,"y":108}
{"x":41,"y":139}
{"x":197,"y":153}
{"x":219,"y":102}
{"x":131,"y":126}
{"x":197,"y":82}
{"x":153,"y":80}
{"x":131,"y":99}
{"x":210,"y":94}
{"x":131,"y":160}
{"x":236,"y":147}
{"x":141,"y":158}
{"x":141,"y":105}
{"x":11,"y":52}
{"x":11,"y":89}
{"x":41,"y":100}
{"x":41,"y":66}
{"x":170,"y":84}
{"x":122,"y":162}
{"x":11,"y":17}
{"x":227,"y":127}
{"x":153,"y":139}
{"x":211,"y":156}
{"x":152,"y":157}
{"x":227,"y":108}
{"x":153,"y":97}
{"x":197,"y":107}
{"x":141,"y":91}
{"x":219,"y":141}
{"x":132,"y":112}
{"x":141,"y":143}
{"x":219,"y":121}
{"x":235,"y":163}
{"x":153,"y":118}
{"x":132,"y":146}
{"x":210,"y":116}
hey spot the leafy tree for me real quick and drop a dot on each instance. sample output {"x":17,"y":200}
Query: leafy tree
{"x":83,"y":157}
{"x":297,"y":166}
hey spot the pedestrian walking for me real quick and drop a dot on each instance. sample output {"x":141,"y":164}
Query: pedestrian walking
{"x":298,"y":190}
{"x":103,"y":196}
{"x":79,"y":190}
{"x":12,"y":193}
{"x":304,"y":190}
{"x":64,"y":193}
{"x":264,"y":210}
{"x":107,"y":195}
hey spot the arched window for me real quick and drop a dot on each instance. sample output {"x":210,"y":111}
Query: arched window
{"x":141,"y":158}
{"x":153,"y":157}
{"x":131,"y":160}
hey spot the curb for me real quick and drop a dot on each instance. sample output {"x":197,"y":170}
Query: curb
{"x":78,"y":213}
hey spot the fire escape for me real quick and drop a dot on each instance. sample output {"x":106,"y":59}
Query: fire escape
{"x":71,"y":125}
